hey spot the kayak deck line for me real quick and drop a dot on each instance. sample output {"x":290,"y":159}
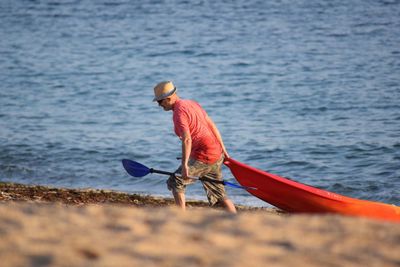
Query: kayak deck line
{"x":292,"y":196}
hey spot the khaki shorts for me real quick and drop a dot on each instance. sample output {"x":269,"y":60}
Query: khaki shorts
{"x":215,"y":192}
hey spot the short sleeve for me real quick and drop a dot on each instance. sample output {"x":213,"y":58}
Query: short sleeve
{"x":181,"y":123}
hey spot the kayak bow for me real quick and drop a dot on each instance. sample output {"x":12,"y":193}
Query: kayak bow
{"x":292,"y":196}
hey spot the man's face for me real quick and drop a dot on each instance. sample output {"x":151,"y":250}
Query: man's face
{"x":165,"y":104}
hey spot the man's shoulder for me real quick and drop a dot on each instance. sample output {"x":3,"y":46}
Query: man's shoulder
{"x":187,"y":101}
{"x":184,"y":104}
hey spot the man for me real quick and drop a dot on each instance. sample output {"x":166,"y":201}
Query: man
{"x":203,"y":150}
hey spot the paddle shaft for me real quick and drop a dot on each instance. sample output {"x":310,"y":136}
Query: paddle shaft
{"x":191,"y":177}
{"x":139,"y":170}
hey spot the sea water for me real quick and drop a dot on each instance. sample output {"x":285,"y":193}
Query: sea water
{"x":304,"y":89}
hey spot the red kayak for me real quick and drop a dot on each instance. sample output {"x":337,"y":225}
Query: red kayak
{"x":292,"y":196}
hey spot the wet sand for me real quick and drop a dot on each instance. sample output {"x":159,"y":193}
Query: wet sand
{"x":42,"y":226}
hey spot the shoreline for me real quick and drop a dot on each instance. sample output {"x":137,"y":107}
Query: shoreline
{"x":45,"y":226}
{"x":71,"y":196}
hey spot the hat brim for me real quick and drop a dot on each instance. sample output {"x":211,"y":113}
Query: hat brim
{"x":164,"y":96}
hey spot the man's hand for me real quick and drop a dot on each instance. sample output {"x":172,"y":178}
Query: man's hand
{"x":185,"y":175}
{"x":226,"y":155}
{"x":185,"y":172}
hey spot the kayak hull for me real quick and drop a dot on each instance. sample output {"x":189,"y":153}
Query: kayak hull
{"x":292,"y":196}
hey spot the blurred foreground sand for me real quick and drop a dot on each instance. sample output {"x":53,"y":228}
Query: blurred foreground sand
{"x":56,"y":234}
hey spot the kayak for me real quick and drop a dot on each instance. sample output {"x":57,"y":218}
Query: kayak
{"x":295,"y":197}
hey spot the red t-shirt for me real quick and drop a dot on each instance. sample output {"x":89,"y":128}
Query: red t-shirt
{"x":189,"y":116}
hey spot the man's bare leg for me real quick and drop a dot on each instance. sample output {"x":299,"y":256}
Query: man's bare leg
{"x":180,"y":199}
{"x":229,"y":205}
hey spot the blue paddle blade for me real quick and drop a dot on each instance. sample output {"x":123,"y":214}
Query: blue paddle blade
{"x":135,"y":168}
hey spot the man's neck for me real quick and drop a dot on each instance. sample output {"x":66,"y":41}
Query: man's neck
{"x":175,"y":100}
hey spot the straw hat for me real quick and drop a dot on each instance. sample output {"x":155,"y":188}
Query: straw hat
{"x":163,"y":90}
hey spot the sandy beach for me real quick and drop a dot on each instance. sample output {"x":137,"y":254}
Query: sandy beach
{"x":42,"y":226}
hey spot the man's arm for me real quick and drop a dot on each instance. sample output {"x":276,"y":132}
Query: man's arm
{"x":186,"y":150}
{"x":216,"y":133}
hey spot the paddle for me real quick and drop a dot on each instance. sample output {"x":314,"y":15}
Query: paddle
{"x":136,"y":169}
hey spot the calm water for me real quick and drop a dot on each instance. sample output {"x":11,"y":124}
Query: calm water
{"x":304,"y":89}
